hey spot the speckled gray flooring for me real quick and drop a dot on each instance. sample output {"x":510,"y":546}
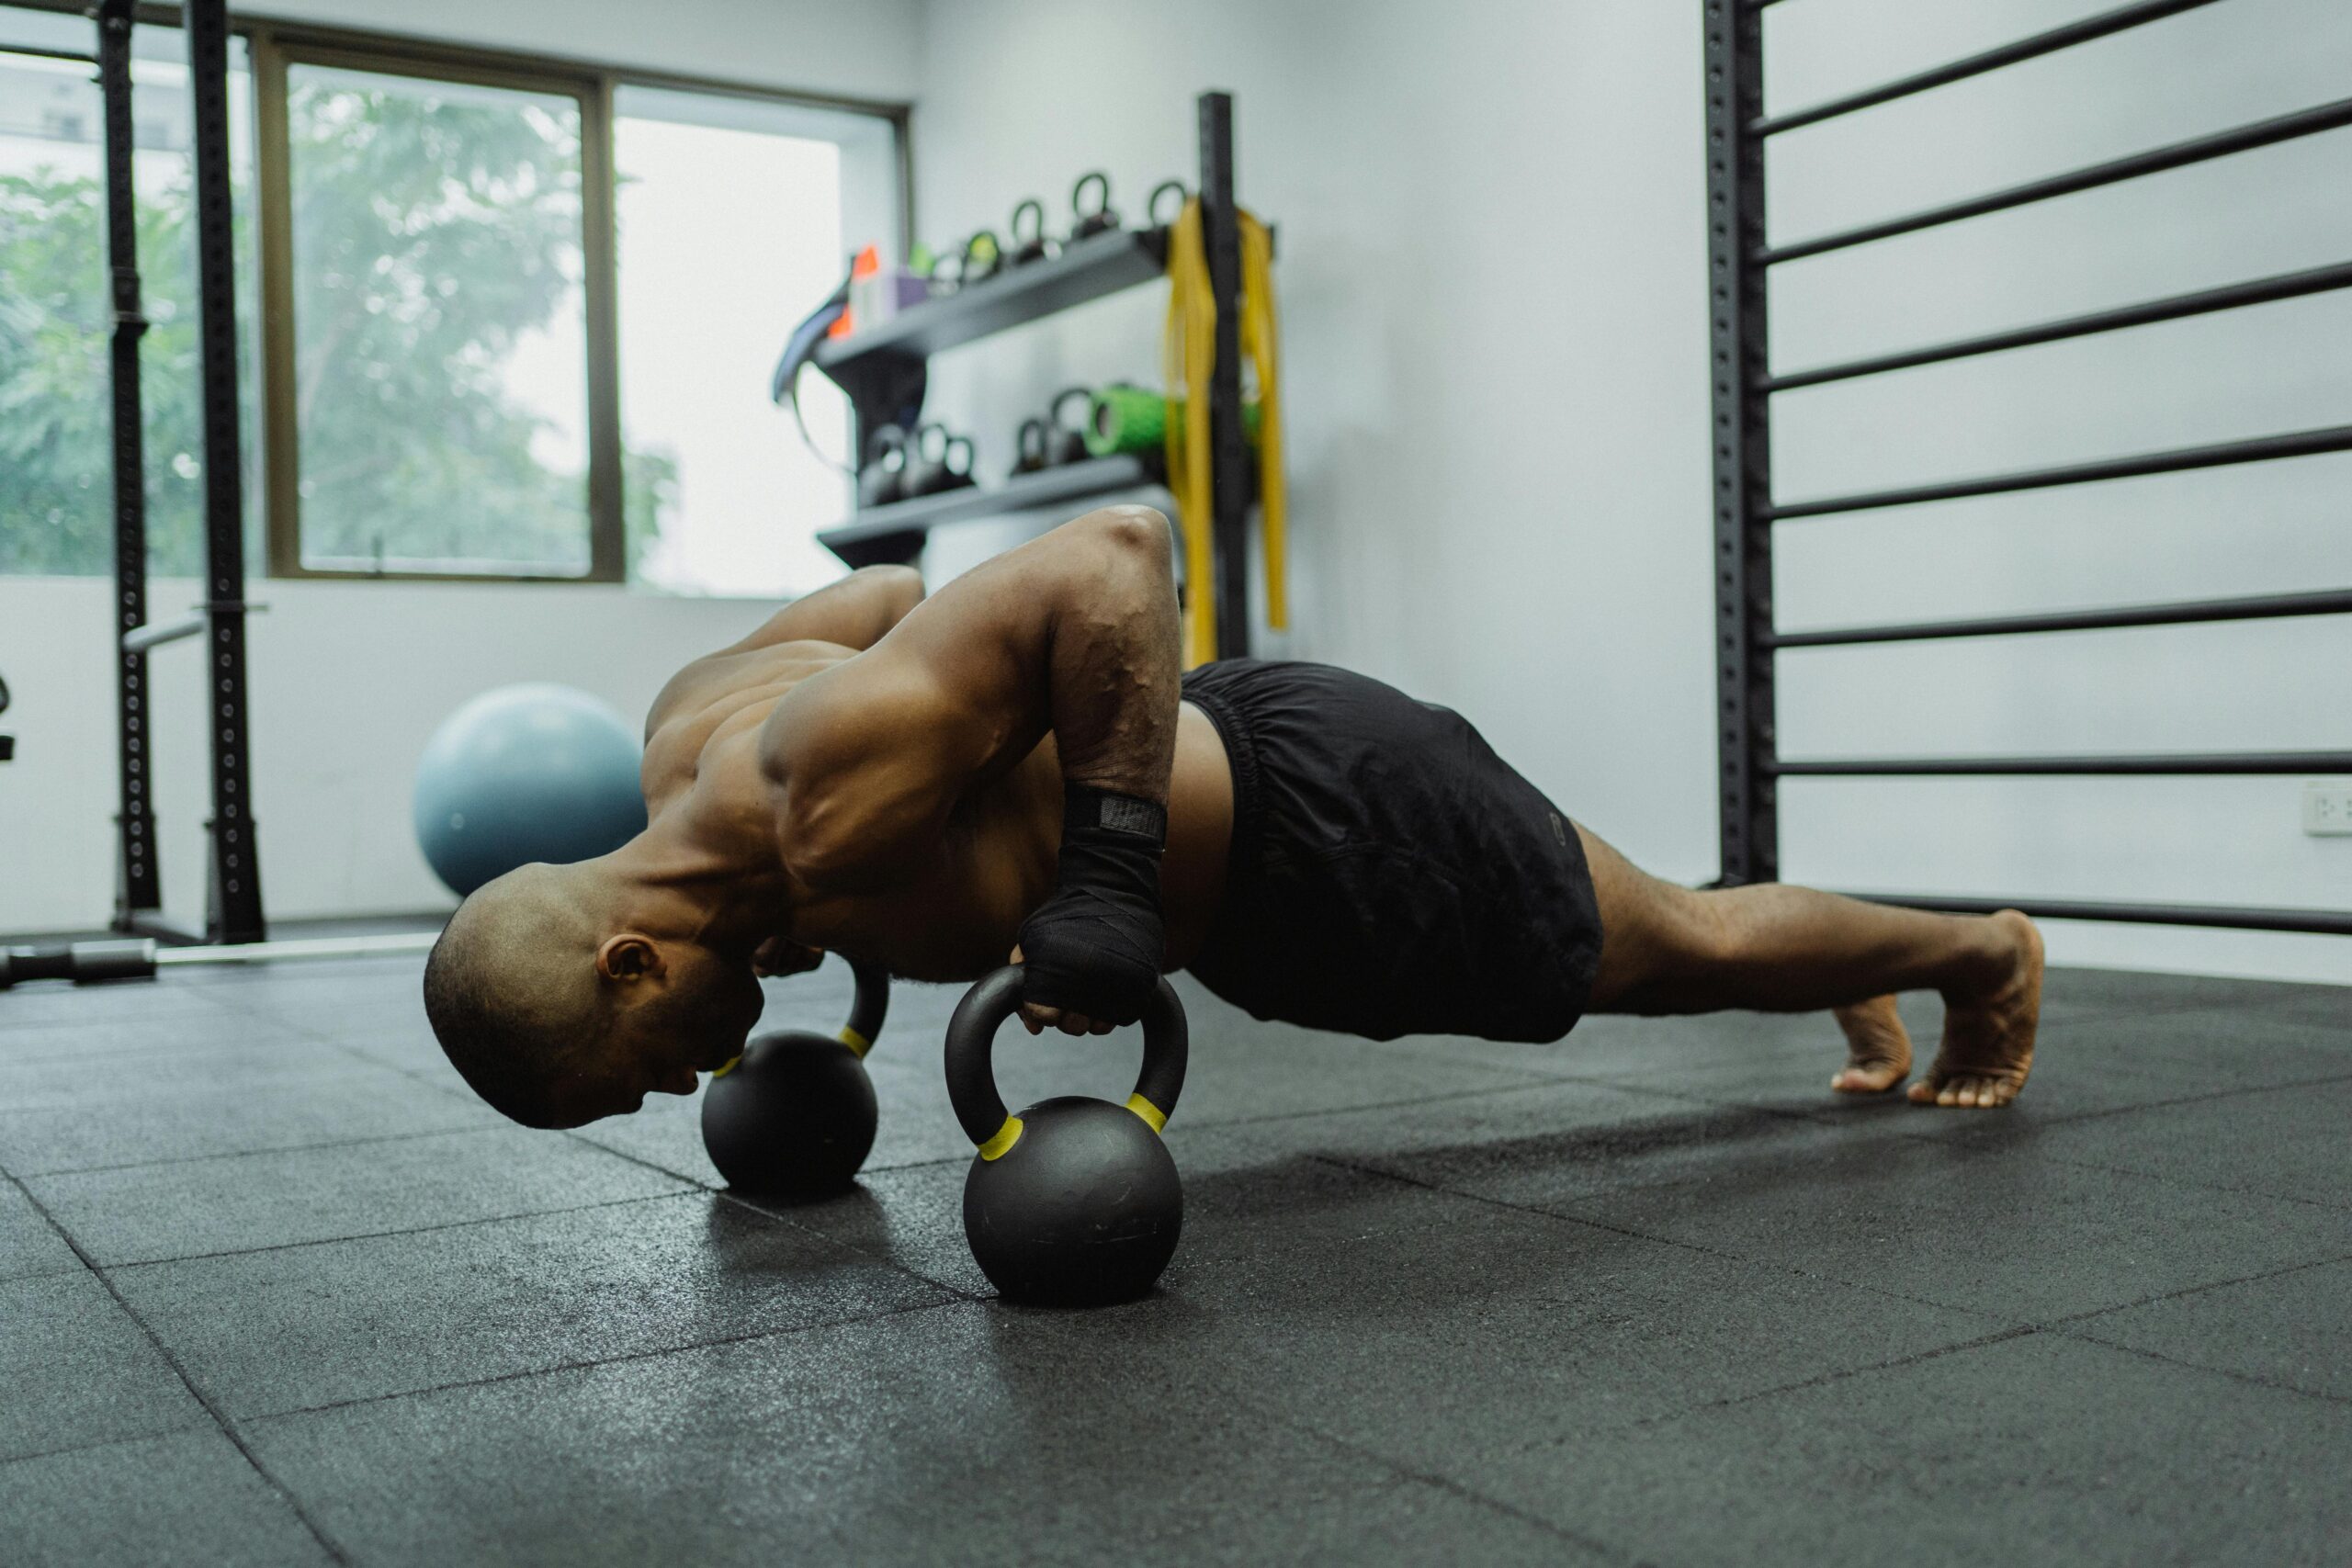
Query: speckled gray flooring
{"x":273,"y":1288}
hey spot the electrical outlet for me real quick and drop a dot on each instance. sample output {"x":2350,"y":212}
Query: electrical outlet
{"x":2327,"y":810}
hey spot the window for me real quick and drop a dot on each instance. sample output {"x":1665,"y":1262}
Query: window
{"x":520,"y":318}
{"x":56,"y":488}
{"x":439,"y":390}
{"x":734,"y":216}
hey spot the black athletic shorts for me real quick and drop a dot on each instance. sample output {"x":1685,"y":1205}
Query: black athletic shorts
{"x":1390,"y":874}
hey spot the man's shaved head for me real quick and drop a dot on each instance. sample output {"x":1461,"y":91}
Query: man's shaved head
{"x":559,"y":1005}
{"x":513,"y":991}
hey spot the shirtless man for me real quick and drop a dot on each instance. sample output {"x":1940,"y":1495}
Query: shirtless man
{"x":1015,"y":767}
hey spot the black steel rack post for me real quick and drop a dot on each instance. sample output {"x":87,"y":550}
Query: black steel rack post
{"x":138,"y":894}
{"x":1742,"y":446}
{"x":1745,"y":511}
{"x":233,"y":909}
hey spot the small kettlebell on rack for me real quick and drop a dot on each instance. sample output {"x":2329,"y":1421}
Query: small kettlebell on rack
{"x":983,"y":256}
{"x":1074,"y":1201}
{"x":1033,"y":245}
{"x":882,"y":481}
{"x":794,"y":1115}
{"x":1097,"y":219}
{"x":1065,"y":441}
{"x":1151,"y":203}
{"x":930,"y":465}
{"x":1029,"y":448}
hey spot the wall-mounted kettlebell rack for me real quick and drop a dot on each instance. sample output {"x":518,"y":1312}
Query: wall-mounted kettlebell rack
{"x":884,"y":372}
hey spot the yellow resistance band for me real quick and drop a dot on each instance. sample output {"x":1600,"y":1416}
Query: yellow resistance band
{"x":1189,"y":354}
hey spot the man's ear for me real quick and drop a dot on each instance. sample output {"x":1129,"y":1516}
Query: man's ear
{"x":630,"y":956}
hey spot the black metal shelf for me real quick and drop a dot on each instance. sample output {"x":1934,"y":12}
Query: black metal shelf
{"x":882,"y":533}
{"x":1093,"y":267}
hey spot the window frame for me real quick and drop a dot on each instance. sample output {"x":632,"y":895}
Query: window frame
{"x":274,"y":45}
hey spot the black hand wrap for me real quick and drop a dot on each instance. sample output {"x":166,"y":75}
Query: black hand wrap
{"x":1094,"y":947}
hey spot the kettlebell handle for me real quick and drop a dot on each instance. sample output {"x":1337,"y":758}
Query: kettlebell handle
{"x":868,"y":1009}
{"x":971,"y":1072}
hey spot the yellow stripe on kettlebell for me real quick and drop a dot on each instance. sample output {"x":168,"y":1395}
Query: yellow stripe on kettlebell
{"x":1153,"y":1117}
{"x":1006,"y":1136}
{"x":858,"y":1043}
{"x":732,"y":1063}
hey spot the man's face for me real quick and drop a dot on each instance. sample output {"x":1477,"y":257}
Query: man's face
{"x":696,"y":1024}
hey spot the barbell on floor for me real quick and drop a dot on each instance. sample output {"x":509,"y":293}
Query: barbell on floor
{"x":139,"y":958}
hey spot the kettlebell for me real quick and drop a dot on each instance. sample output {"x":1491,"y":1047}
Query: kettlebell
{"x":882,"y":481}
{"x":983,"y":256}
{"x":930,"y":471}
{"x":1152,"y":202}
{"x":1074,"y":1201}
{"x":794,"y":1115}
{"x":1100,"y":220}
{"x":1065,"y":441}
{"x":1031,"y":247}
{"x":1029,"y":448}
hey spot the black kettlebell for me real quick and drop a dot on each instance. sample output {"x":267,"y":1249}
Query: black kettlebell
{"x":1151,"y":203}
{"x":1074,"y":1201}
{"x":1097,"y":219}
{"x":1065,"y":441}
{"x":794,"y":1115}
{"x":1031,"y":246}
{"x":983,"y":256}
{"x":883,"y":479}
{"x":1029,"y":448}
{"x":930,"y":465}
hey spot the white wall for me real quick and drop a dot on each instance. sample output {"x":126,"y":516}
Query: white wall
{"x":1492,"y":280}
{"x":349,"y":679}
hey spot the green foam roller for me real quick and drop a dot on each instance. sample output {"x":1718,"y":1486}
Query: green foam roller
{"x":1128,"y":418}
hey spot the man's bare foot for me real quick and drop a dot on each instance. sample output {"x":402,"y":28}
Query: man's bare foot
{"x":1877,"y":1048}
{"x":1989,"y":1038}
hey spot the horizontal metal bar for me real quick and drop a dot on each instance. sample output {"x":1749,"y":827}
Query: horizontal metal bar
{"x":2331,"y":923}
{"x":300,"y":947}
{"x":2155,"y":160}
{"x":2122,"y":18}
{"x":39,"y":51}
{"x":2187,"y":612}
{"x":138,"y":640}
{"x":2230,"y":297}
{"x":2257,"y":449}
{"x":2185,"y":762}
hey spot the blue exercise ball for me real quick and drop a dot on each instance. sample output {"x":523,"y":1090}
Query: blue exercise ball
{"x":524,"y":774}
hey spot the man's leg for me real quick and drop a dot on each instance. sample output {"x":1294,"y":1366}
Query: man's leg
{"x":1774,"y":948}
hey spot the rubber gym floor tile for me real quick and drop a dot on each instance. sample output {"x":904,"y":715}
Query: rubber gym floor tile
{"x":260,"y":1062}
{"x":2287,"y":1143}
{"x":2135,"y":991}
{"x":79,"y":1371}
{"x":243,"y":1201}
{"x":46,"y":1003}
{"x":2033,"y":1450}
{"x":2288,"y":1328}
{"x":187,"y":1498}
{"x":30,"y":1245}
{"x":2091,"y":1067}
{"x":301,"y":1328}
{"x":355,"y":1101}
{"x":959,"y":1434}
{"x":1438,"y":1348}
{"x":1997,"y":1231}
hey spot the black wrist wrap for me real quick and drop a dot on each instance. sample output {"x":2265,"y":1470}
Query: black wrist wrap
{"x":1095,"y":946}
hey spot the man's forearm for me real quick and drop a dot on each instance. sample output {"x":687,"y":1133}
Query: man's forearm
{"x":1112,"y":659}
